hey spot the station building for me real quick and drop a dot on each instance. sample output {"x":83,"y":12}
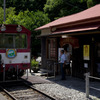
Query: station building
{"x":80,"y":34}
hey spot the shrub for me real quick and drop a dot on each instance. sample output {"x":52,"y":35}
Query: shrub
{"x":34,"y":64}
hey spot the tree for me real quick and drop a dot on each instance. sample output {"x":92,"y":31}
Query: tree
{"x":9,"y":11}
{"x":59,"y":8}
{"x":22,"y":5}
{"x":31,"y":20}
{"x":90,"y":3}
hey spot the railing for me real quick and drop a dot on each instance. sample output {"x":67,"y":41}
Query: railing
{"x":51,"y":66}
{"x":88,"y":84}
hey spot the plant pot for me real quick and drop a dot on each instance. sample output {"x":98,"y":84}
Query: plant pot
{"x":35,"y":70}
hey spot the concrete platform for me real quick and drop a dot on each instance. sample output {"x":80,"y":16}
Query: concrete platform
{"x":2,"y":97}
{"x":36,"y":79}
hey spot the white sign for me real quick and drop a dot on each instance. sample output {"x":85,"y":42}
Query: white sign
{"x":86,"y":65}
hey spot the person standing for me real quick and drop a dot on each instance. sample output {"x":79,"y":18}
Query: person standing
{"x":67,"y":65}
{"x":62,"y":65}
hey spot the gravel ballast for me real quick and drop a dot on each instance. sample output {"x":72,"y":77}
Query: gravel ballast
{"x":70,"y":89}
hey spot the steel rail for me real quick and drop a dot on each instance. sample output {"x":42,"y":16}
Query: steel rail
{"x":9,"y":94}
{"x":25,"y":82}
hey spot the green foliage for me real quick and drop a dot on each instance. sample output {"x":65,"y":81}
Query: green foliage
{"x":90,"y":3}
{"x":22,"y":5}
{"x":9,"y":12}
{"x":52,"y":7}
{"x":1,"y":15}
{"x":59,"y":8}
{"x":34,"y":64}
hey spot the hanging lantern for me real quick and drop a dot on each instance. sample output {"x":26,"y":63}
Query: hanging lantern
{"x":19,"y":28}
{"x":3,"y":27}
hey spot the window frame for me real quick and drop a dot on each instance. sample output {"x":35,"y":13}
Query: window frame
{"x":48,"y":49}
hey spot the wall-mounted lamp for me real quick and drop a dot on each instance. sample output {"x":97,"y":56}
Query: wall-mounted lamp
{"x":64,"y":36}
{"x":53,"y":29}
{"x":93,"y":39}
{"x":19,"y":28}
{"x":3,"y":27}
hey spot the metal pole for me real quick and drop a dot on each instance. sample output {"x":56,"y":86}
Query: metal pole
{"x":3,"y":72}
{"x":27,"y":74}
{"x":87,"y":84}
{"x":54,"y":69}
{"x":4,"y":10}
{"x":17,"y":72}
{"x":47,"y":68}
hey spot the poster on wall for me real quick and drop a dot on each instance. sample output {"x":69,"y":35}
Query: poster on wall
{"x":86,"y":52}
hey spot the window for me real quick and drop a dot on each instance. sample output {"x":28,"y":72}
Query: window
{"x":13,"y":41}
{"x":51,"y":48}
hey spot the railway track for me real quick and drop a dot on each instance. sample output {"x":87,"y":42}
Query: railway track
{"x":23,"y":91}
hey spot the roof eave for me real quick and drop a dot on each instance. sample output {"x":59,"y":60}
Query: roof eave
{"x":94,"y":19}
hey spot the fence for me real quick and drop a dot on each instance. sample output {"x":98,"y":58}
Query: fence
{"x":88,"y":84}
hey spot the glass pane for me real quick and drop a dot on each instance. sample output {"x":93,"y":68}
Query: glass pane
{"x":17,"y":41}
{"x":20,"y":41}
{"x":1,"y":41}
{"x":24,"y":44}
{"x":13,"y":41}
{"x":9,"y":41}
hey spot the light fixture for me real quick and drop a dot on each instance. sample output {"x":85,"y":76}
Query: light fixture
{"x":19,"y":28}
{"x":64,"y":36}
{"x":3,"y":27}
{"x":53,"y":29}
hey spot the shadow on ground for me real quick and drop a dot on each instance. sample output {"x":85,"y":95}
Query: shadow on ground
{"x":77,"y":84}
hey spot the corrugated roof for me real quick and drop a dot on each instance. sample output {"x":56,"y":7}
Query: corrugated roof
{"x":90,"y":13}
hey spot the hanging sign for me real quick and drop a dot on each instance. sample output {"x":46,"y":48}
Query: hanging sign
{"x":11,"y":53}
{"x":86,"y":52}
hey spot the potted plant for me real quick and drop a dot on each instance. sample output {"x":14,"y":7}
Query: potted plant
{"x":34,"y":65}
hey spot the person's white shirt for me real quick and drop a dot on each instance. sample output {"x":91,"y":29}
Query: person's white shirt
{"x":63,"y":58}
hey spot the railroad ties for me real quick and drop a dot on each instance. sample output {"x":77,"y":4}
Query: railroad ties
{"x":23,"y":91}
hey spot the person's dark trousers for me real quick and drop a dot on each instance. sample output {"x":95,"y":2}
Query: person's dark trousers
{"x":62,"y":72}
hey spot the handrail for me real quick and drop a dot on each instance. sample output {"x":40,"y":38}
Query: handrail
{"x":95,"y":88}
{"x":88,"y":85}
{"x":94,"y":77}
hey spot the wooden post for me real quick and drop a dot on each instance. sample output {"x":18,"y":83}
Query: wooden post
{"x":87,"y":84}
{"x":54,"y":69}
{"x":3,"y":72}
